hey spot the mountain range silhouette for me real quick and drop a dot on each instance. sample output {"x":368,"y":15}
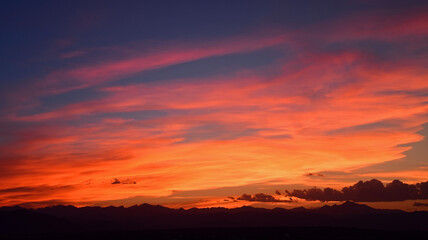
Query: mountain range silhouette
{"x":17,"y":221}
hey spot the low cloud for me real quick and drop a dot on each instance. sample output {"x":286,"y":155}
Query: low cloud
{"x":260,"y":197}
{"x":41,"y":189}
{"x":41,"y":204}
{"x":368,"y":191}
{"x":419,"y":204}
{"x":30,"y":196}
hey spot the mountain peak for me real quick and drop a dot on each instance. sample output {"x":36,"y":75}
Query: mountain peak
{"x":349,"y":204}
{"x":345,"y":208}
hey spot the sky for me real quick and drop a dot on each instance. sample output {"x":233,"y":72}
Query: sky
{"x":195,"y":103}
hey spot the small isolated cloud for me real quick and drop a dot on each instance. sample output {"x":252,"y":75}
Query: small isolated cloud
{"x":260,"y":197}
{"x":126,"y":181}
{"x":368,"y":191}
{"x":116,"y":181}
{"x":314,"y":174}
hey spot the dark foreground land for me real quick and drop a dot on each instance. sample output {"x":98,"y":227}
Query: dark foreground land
{"x":312,"y":233}
{"x":346,"y":221}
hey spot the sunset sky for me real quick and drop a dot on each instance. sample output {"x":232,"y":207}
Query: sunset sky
{"x":188,"y":103}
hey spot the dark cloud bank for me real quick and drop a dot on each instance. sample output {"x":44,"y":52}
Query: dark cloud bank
{"x":366,"y":191}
